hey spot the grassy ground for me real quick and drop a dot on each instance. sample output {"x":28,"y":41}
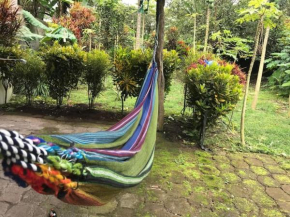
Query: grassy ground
{"x":110,"y":100}
{"x":267,"y":128}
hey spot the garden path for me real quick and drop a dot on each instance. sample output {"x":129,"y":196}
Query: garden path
{"x":183,"y":181}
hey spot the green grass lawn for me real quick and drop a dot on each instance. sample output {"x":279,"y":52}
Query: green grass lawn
{"x":267,"y":129}
{"x":110,"y":100}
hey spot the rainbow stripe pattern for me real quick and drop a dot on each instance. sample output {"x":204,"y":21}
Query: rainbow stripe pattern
{"x":88,"y":168}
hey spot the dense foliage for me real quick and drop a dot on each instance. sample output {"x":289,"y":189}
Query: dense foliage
{"x":79,"y":19}
{"x":97,"y":64}
{"x":131,"y":67}
{"x":212,"y":91}
{"x":280,"y":62}
{"x":9,"y":23}
{"x":64,"y":66}
{"x":28,"y":76}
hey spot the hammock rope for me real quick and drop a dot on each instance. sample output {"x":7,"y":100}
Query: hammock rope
{"x":88,"y":168}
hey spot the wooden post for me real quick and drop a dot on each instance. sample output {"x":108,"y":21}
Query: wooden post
{"x":159,"y":60}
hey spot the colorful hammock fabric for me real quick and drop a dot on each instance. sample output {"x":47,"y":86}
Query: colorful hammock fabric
{"x":88,"y":168}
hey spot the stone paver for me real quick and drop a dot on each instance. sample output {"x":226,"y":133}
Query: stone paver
{"x":268,"y":181}
{"x":129,"y":201}
{"x":278,"y":194}
{"x":285,"y":207}
{"x":204,"y":185}
{"x":286,"y":188}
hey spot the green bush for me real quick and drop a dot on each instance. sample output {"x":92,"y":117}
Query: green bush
{"x":170,"y":64}
{"x":64,"y":67}
{"x":212,"y":92}
{"x":97,"y":64}
{"x":280,"y":63}
{"x":10,"y":56}
{"x":131,"y":67}
{"x":27,"y":77}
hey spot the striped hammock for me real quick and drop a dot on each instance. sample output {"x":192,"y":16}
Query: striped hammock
{"x":87,"y":168}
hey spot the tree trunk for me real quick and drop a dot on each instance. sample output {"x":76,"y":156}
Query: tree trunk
{"x":207,"y":29}
{"x":143,"y":31}
{"x":159,"y":60}
{"x":202,"y":131}
{"x":122,"y":98}
{"x":99,"y":36}
{"x":138,"y":32}
{"x":257,"y":36}
{"x":261,"y":67}
{"x":194,"y":33}
{"x":184,"y":99}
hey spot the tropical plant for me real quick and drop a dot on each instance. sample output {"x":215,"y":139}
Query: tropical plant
{"x":60,"y":34}
{"x":182,"y":48}
{"x":79,"y":19}
{"x":97,"y":64}
{"x":131,"y":67}
{"x":255,"y":11}
{"x":212,"y":92}
{"x":42,"y":8}
{"x":111,"y":16}
{"x":9,"y":23}
{"x":52,"y":32}
{"x":34,"y":21}
{"x":229,"y":46}
{"x":64,"y":66}
{"x":271,"y":14}
{"x":280,"y":62}
{"x":170,"y":64}
{"x":172,"y":38}
{"x":28,"y":76}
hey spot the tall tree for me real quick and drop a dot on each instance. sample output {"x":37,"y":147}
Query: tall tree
{"x":255,"y":11}
{"x":159,"y":59}
{"x":210,"y":4}
{"x":271,"y":12}
{"x":138,"y":31}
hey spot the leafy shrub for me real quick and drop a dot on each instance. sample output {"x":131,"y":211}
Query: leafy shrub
{"x":131,"y":68}
{"x":150,"y":41}
{"x":280,"y":63}
{"x":212,"y":92}
{"x":172,"y":38}
{"x":9,"y":23}
{"x":28,"y":76}
{"x":227,"y":45}
{"x":64,"y":66}
{"x":182,"y":48}
{"x":12,"y":54}
{"x":204,"y":59}
{"x":170,"y":63}
{"x":235,"y":71}
{"x":97,"y":64}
